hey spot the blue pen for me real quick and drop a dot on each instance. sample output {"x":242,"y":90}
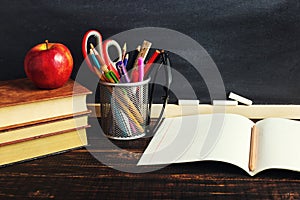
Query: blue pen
{"x":125,"y":61}
{"x":119,"y":68}
{"x":124,"y":75}
{"x":95,"y":61}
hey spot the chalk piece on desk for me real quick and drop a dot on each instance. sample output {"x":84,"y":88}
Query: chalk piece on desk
{"x":240,"y":99}
{"x":184,"y":102}
{"x":225,"y":103}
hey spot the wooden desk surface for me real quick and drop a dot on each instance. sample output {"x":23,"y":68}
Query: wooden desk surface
{"x":79,"y":175}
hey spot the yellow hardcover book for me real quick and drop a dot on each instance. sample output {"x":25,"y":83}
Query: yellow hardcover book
{"x":47,"y":144}
{"x":40,"y":129}
{"x":21,"y":103}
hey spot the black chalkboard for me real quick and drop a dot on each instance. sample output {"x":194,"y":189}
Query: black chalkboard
{"x":254,"y":44}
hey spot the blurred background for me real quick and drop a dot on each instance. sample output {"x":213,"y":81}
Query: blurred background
{"x":255,"y":44}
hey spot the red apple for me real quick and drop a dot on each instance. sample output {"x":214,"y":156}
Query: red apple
{"x":48,"y":65}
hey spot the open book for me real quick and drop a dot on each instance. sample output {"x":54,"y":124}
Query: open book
{"x":228,"y":138}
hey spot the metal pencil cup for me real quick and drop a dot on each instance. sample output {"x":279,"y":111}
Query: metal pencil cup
{"x":124,"y":109}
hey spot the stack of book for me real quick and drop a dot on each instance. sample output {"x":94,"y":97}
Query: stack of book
{"x":36,"y":122}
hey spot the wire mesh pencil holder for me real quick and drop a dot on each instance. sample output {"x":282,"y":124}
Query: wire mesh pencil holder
{"x":124,"y":109}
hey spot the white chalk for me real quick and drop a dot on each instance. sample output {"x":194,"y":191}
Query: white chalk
{"x":184,"y":102}
{"x":240,"y":99}
{"x":225,"y":103}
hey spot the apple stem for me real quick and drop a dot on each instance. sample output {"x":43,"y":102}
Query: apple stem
{"x":46,"y":41}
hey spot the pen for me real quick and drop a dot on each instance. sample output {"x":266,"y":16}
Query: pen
{"x":125,"y":61}
{"x":119,"y":68}
{"x":124,"y":72}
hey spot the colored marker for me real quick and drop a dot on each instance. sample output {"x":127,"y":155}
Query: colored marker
{"x":141,"y":68}
{"x":110,"y":75}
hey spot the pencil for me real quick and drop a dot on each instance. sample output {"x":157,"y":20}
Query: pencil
{"x":99,"y":74}
{"x":253,"y":148}
{"x":124,"y":51}
{"x":151,"y":61}
{"x":131,"y":105}
{"x":100,"y":59}
{"x":132,"y":117}
{"x":94,"y":59}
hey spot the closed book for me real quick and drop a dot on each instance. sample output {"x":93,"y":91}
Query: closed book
{"x":16,"y":135}
{"x":42,"y":145}
{"x":22,"y":103}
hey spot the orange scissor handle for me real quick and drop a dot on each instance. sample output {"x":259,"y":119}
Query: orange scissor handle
{"x":84,"y":46}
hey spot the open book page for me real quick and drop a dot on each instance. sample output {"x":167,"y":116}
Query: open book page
{"x":234,"y":144}
{"x":178,"y":139}
{"x":181,"y":139}
{"x":278,"y":144}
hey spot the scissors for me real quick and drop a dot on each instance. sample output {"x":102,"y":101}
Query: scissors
{"x":102,"y":49}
